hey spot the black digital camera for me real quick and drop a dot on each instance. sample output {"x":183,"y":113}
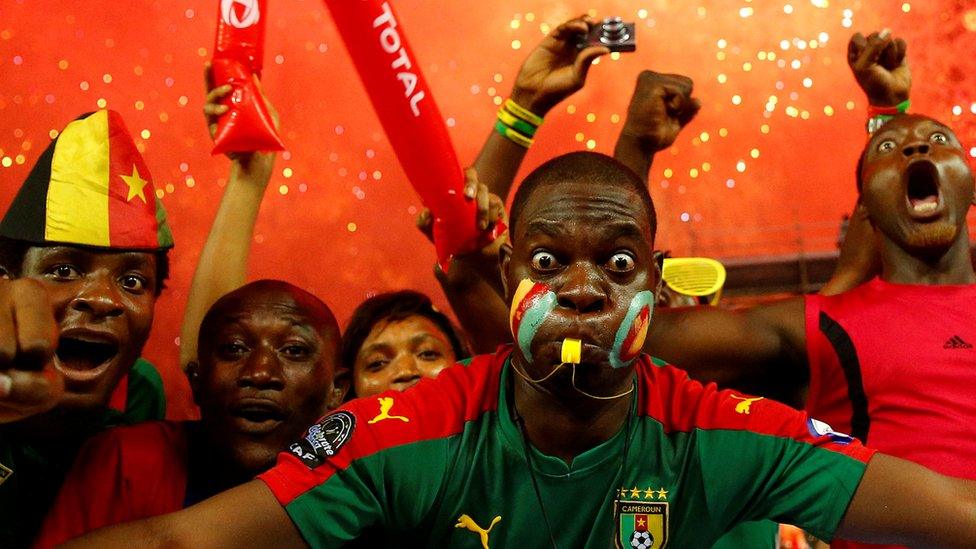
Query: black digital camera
{"x":613,"y":33}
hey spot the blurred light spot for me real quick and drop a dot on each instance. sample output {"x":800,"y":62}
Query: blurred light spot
{"x":283,"y":189}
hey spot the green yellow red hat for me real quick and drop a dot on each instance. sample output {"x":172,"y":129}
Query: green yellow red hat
{"x":90,"y":187}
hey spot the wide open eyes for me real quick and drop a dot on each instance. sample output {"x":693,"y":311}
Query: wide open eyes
{"x":544,"y":262}
{"x":621,"y":262}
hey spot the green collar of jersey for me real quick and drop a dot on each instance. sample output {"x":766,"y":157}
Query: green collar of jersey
{"x":583,"y":464}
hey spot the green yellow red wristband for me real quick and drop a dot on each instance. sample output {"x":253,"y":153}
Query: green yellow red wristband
{"x":878,"y":116}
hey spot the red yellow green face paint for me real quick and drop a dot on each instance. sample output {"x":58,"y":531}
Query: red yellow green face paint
{"x":531,"y":304}
{"x":629,"y":341}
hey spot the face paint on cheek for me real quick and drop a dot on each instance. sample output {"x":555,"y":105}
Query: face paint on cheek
{"x":531,"y":304}
{"x":629,"y":341}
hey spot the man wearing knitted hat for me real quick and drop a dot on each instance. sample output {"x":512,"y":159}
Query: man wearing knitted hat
{"x":83,"y":251}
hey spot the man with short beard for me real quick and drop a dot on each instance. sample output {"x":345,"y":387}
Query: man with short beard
{"x":86,"y":242}
{"x":268,"y":354}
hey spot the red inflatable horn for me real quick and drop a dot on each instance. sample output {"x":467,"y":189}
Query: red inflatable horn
{"x":413,"y":124}
{"x":238,"y":54}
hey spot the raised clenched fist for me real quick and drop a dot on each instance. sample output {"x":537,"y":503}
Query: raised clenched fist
{"x":661,"y":105}
{"x":879,"y":66}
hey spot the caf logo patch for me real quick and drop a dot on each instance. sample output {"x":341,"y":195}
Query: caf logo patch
{"x":324,"y":439}
{"x":5,"y":473}
{"x":640,"y":525}
{"x":820,"y":429}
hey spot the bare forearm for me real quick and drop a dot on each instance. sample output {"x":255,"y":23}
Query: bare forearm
{"x":222,"y":266}
{"x":634,"y":154}
{"x":900,"y":502}
{"x":478,"y":305}
{"x":756,"y":350}
{"x":245,"y":516}
{"x":859,"y":259}
{"x":498,"y":163}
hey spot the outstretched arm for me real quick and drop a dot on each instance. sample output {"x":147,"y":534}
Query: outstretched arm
{"x":245,"y":516}
{"x":760,"y":350}
{"x":222,"y":266}
{"x":552,"y":72}
{"x":901,"y":502}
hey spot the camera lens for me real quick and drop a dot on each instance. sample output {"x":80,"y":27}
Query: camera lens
{"x":614,"y":31}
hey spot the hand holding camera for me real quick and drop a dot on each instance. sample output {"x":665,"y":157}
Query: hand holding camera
{"x":612,"y":33}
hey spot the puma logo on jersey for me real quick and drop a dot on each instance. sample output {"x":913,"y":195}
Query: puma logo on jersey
{"x":743,"y":407}
{"x":5,"y":473}
{"x":956,"y":342}
{"x":385,"y":404}
{"x":468,"y":523}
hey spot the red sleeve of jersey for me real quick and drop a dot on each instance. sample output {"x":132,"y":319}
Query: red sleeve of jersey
{"x":682,"y":404}
{"x":434,"y":408}
{"x":122,"y":474}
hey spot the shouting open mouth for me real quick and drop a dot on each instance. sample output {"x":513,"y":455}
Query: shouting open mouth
{"x":83,"y":355}
{"x":922,"y":190}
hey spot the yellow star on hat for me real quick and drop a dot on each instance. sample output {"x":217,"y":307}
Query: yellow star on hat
{"x":136,"y":184}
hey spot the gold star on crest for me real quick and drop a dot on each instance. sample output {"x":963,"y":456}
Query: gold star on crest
{"x":662,"y":494}
{"x":649,"y":493}
{"x":635,"y":492}
{"x":136,"y":185}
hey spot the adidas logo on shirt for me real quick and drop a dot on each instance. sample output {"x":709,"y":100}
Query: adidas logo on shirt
{"x":956,"y":342}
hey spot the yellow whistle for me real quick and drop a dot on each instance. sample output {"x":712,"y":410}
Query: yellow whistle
{"x":572,"y":350}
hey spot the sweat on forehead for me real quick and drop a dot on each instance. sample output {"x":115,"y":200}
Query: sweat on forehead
{"x":589,"y":167}
{"x":270,"y":292}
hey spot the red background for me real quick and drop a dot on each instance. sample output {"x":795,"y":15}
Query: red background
{"x":338,"y":216}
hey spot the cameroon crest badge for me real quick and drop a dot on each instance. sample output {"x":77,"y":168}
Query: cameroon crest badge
{"x":641,"y":524}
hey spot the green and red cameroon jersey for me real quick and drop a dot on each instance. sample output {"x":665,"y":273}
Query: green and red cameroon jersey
{"x":445,"y":465}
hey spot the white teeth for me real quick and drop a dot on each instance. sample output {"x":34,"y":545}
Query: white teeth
{"x":926,"y":207}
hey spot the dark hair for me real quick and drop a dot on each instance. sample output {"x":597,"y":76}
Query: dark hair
{"x":12,"y":252}
{"x":394,"y":306}
{"x":582,"y":166}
